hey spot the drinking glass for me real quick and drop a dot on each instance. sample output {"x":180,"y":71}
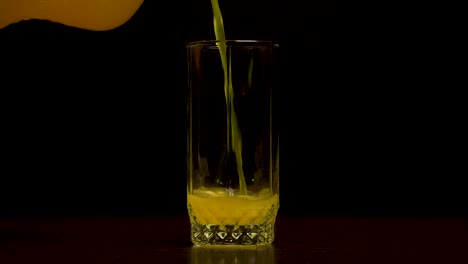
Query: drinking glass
{"x":232,"y":142}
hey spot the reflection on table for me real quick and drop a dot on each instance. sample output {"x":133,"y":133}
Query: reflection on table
{"x":228,"y":255}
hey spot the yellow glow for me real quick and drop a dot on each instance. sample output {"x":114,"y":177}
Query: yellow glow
{"x":95,"y":15}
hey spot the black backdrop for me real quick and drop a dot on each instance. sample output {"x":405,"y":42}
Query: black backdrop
{"x":94,"y":122}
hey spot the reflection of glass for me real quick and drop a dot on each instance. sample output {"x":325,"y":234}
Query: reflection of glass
{"x":228,"y":255}
{"x":233,"y":151}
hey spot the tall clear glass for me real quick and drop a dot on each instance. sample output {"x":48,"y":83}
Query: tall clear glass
{"x":233,"y":142}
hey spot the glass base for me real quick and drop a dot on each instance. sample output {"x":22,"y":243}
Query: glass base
{"x":233,"y":221}
{"x":240,"y":235}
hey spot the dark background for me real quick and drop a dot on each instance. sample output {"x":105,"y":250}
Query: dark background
{"x":94,"y":122}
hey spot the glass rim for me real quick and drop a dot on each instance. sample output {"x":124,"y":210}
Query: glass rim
{"x":234,"y":42}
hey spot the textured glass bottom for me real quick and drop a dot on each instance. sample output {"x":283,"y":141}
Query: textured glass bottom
{"x":254,"y":235}
{"x":226,"y":234}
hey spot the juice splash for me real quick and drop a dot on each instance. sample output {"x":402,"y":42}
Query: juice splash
{"x":234,"y":139}
{"x":97,"y":15}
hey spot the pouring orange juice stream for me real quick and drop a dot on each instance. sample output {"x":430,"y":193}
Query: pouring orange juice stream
{"x":209,"y":205}
{"x":220,"y":205}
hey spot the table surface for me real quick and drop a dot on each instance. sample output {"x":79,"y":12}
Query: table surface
{"x":298,"y":240}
